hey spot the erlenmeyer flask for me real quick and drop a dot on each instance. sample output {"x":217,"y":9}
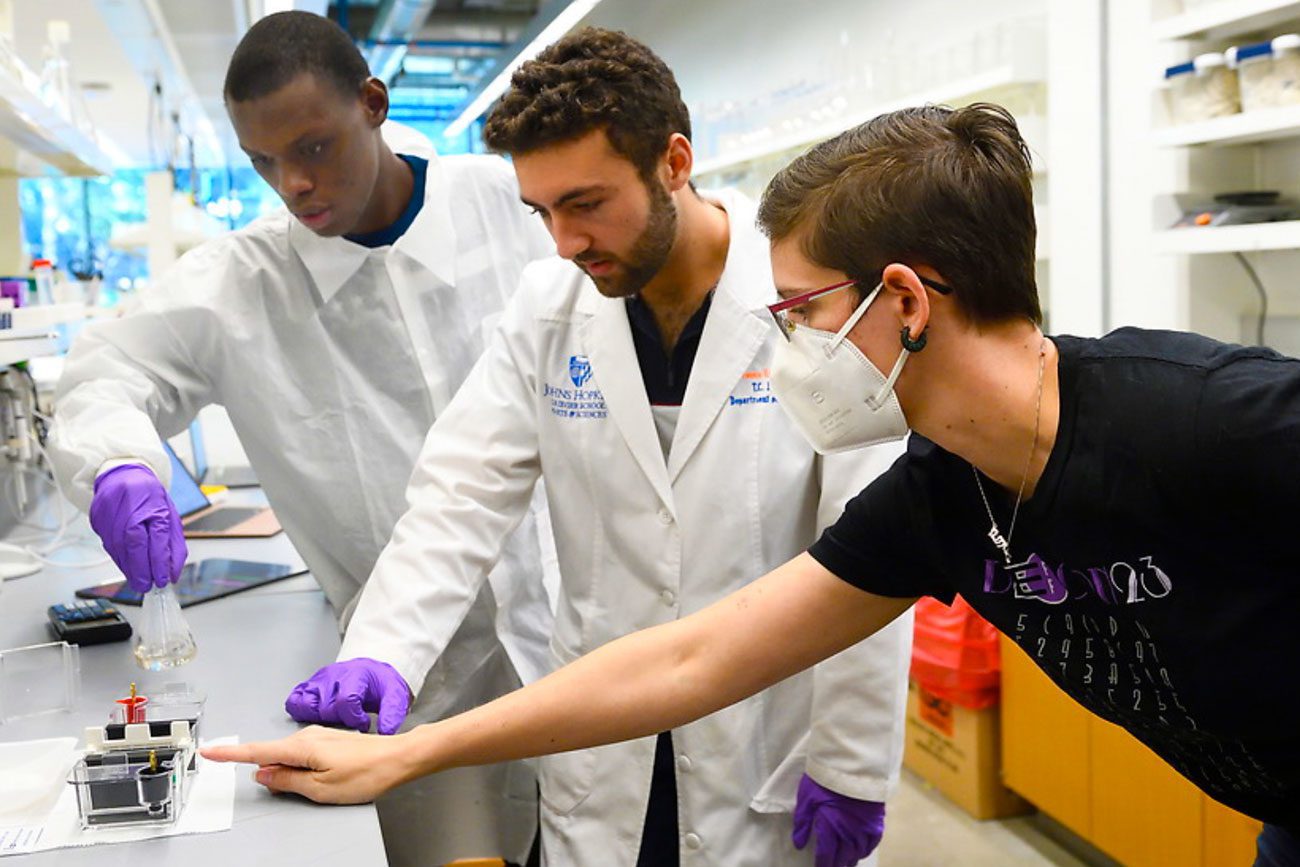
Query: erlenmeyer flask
{"x":164,"y":639}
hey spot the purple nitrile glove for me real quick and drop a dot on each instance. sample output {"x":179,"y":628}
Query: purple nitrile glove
{"x":137,"y":522}
{"x":847,"y":829}
{"x":346,"y":693}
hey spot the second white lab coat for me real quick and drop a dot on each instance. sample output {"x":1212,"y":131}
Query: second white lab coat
{"x":642,"y":541}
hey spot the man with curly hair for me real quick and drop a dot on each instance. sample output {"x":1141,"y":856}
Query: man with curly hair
{"x":632,"y":374}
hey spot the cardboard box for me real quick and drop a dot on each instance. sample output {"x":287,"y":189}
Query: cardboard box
{"x":959,"y":752}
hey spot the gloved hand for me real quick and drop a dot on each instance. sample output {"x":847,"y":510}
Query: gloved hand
{"x":847,"y":829}
{"x":138,"y":524}
{"x":345,"y":693}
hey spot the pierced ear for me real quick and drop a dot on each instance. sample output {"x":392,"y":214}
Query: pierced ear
{"x":913,"y":300}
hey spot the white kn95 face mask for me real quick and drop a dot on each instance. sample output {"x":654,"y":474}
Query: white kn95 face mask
{"x":834,"y":395}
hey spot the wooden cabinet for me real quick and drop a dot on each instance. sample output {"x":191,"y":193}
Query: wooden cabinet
{"x":1098,"y":781}
{"x":1228,"y":838}
{"x":1045,"y":749}
{"x":1143,"y":811}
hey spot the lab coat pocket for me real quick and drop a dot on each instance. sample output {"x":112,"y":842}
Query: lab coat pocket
{"x":566,"y":779}
{"x":777,"y":793}
{"x":521,"y":781}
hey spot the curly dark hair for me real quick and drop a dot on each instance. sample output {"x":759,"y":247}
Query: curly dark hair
{"x":591,"y":79}
{"x":948,"y":188}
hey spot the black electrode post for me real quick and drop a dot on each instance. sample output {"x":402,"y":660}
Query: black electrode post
{"x":155,"y":785}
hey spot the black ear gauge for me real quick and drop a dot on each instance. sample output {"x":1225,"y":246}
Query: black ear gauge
{"x":909,"y":344}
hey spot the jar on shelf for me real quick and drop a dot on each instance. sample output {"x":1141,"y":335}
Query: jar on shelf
{"x":43,"y":274}
{"x":1203,"y":88}
{"x":1268,"y":72}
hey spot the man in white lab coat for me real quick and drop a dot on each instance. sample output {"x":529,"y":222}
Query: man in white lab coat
{"x":633,"y":374}
{"x":334,"y":332}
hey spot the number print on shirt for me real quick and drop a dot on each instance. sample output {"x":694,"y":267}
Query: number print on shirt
{"x":1112,"y":665}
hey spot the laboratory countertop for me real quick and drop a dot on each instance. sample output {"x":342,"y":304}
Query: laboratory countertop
{"x":252,"y":648}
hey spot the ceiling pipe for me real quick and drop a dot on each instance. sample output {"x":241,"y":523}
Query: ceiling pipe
{"x":395,"y":23}
{"x":432,"y":43}
{"x":553,"y":20}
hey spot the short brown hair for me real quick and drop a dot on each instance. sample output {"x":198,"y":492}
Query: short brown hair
{"x":948,"y":188}
{"x":591,"y":79}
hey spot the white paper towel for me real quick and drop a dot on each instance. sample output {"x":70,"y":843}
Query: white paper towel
{"x":211,"y":804}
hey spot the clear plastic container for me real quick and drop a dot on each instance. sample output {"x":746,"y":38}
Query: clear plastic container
{"x":139,"y":773}
{"x":42,"y":678}
{"x":1268,"y":72}
{"x":1201,"y":89}
{"x":131,"y":787}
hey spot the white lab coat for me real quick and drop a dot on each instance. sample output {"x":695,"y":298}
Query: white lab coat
{"x":642,"y":541}
{"x":333,"y":360}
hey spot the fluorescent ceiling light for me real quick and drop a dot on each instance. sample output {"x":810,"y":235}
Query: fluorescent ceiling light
{"x":428,"y":64}
{"x":259,"y":9}
{"x":558,"y":26}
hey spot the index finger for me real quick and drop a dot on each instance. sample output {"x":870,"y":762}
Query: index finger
{"x":282,"y":752}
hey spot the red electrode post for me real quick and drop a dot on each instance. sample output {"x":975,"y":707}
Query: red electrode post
{"x":133,"y":707}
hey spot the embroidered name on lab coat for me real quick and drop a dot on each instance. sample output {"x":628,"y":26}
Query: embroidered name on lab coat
{"x":755,"y":388}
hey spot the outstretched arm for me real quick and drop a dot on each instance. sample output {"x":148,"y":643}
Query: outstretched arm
{"x":646,"y":682}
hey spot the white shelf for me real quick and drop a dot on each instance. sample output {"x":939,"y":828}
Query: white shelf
{"x":1248,"y":127}
{"x":1001,"y":77}
{"x":14,"y":350}
{"x":29,"y":333}
{"x":38,"y":129}
{"x":40,"y":317}
{"x":1226,"y":18}
{"x":1229,"y":239}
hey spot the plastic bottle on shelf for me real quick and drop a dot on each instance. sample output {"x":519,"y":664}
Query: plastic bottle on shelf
{"x":43,"y":273}
{"x":1268,"y":72}
{"x":1203,"y":88}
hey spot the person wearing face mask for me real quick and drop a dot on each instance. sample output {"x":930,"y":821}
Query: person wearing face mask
{"x":1120,"y":506}
{"x":333,"y":331}
{"x":631,"y":373}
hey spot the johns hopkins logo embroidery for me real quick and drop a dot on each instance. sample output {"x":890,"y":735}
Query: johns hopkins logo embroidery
{"x":576,"y":402}
{"x":579,"y":370}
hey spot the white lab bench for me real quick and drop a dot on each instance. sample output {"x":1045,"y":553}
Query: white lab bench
{"x":252,"y":648}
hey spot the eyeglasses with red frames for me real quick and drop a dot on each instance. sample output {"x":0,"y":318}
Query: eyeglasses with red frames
{"x":788,"y":312}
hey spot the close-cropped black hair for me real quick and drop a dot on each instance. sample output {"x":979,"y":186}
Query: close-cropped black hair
{"x":282,"y":46}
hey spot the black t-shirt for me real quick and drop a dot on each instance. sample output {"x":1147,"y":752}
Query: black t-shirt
{"x":1158,"y":572}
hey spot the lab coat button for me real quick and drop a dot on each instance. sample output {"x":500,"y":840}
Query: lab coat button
{"x":665,"y":517}
{"x":693,"y":841}
{"x":668,"y":597}
{"x":684,"y":764}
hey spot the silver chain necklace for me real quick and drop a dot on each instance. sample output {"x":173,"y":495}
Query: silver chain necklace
{"x":995,"y":535}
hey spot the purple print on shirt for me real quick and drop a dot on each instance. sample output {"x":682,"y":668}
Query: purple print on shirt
{"x":1120,"y":584}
